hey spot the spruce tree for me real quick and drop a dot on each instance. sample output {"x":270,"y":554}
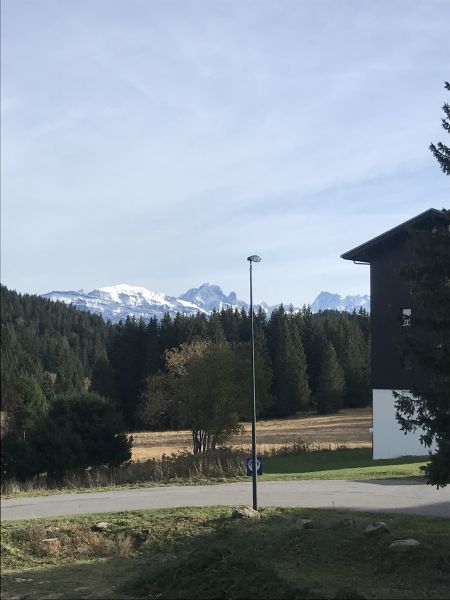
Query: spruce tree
{"x":427,"y":342}
{"x":440,"y":150}
{"x":299,"y":365}
{"x":290,"y":382}
{"x":330,"y":391}
{"x":215,"y":329}
{"x":315,"y":342}
{"x":230,"y":319}
{"x":356,"y":366}
{"x":31,"y":404}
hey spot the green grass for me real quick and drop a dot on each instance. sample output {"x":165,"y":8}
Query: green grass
{"x":201,"y":553}
{"x":355,"y":464}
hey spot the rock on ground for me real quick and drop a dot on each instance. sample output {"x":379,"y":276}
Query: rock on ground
{"x":404,"y":545}
{"x":245,"y":512}
{"x":377,"y":527}
{"x":304,"y":523}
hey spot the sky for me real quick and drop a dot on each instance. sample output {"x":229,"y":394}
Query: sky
{"x":160,"y":142}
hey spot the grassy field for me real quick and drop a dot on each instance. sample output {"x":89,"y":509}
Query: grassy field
{"x":292,"y":449}
{"x":350,"y":428}
{"x":353,"y":464}
{"x":203,"y":553}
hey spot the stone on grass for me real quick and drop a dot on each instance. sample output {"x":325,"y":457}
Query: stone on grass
{"x":102,"y":526}
{"x":377,"y":527}
{"x":304,"y":523}
{"x":50,"y":545}
{"x":22,"y":580}
{"x":404,"y":545}
{"x":245,"y":512}
{"x":51,"y":529}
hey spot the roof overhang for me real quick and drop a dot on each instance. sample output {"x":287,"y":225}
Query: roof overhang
{"x":364,"y":252}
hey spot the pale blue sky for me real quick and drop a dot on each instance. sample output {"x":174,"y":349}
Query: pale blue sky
{"x":160,"y":142}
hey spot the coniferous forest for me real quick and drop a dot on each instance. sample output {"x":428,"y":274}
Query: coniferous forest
{"x":54,"y":356}
{"x":304,"y":361}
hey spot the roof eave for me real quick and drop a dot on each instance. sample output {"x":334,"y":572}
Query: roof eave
{"x":361,"y":252}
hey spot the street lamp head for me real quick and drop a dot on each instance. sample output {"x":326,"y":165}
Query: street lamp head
{"x":254,"y":258}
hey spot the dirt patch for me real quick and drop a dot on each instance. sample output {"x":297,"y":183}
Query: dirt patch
{"x":349,"y":428}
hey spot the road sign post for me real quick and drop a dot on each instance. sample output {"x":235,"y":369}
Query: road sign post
{"x":249,"y":465}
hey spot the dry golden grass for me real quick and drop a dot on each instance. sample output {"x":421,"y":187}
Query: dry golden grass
{"x":350,"y":428}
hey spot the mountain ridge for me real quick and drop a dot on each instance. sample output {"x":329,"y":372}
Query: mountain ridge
{"x":117,"y":302}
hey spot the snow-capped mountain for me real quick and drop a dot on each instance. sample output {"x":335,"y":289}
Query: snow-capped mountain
{"x":119,"y":301}
{"x":327,"y":301}
{"x":211,"y":297}
{"x":115,"y":303}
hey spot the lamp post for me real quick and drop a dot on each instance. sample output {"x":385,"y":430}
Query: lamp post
{"x":252,"y":259}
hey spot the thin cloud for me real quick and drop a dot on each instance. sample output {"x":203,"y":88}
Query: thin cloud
{"x":136,"y":133}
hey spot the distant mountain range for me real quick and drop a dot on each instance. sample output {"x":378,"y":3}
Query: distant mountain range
{"x":327,"y":301}
{"x":116,"y":302}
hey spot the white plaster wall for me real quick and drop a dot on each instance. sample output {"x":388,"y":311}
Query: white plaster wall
{"x":389,"y":441}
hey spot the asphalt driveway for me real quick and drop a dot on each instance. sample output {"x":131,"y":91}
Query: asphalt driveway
{"x":388,"y":495}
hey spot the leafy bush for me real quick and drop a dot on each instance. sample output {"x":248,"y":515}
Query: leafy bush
{"x":82,"y":430}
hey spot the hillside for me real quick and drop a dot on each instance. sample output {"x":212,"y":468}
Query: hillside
{"x":46,"y":346}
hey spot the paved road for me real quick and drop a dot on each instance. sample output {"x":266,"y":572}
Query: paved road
{"x":390,"y":495}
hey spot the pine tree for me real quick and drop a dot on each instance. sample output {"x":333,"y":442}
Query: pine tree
{"x":31,"y":404}
{"x":299,"y":365}
{"x":427,"y":342}
{"x":290,"y":382}
{"x":128,"y":358}
{"x":315,"y":342}
{"x":230,"y":319}
{"x":55,"y":344}
{"x":168,"y":333}
{"x":103,"y":378}
{"x":153,"y":351}
{"x":440,"y":150}
{"x":356,"y":365}
{"x":330,"y":391}
{"x":80,"y":430}
{"x":215,"y":329}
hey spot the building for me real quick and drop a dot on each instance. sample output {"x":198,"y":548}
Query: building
{"x":392,"y":309}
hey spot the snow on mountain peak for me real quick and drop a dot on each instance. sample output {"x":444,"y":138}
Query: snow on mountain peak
{"x":329,"y":301}
{"x":131,"y":294}
{"x":211,"y":297}
{"x":117,"y":302}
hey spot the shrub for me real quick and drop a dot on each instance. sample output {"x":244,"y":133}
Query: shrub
{"x":79,"y":431}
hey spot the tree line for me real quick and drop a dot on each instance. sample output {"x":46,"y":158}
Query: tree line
{"x":304,"y":360}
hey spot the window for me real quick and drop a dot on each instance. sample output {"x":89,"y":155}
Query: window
{"x":406,"y":317}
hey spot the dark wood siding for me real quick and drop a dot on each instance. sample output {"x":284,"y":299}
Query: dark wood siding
{"x":386,"y":254}
{"x":389,"y":295}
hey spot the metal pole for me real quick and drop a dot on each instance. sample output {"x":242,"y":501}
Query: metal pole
{"x":254,"y":475}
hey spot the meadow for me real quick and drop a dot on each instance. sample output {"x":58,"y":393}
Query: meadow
{"x":349,"y":428}
{"x":338,"y":448}
{"x":203,"y":553}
